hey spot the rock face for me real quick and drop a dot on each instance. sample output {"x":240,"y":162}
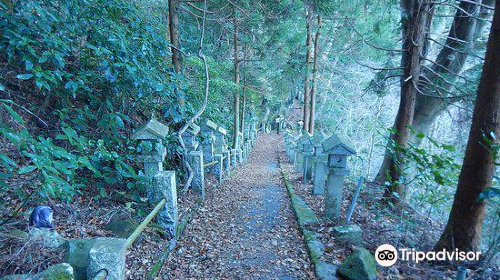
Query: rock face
{"x":77,"y":255}
{"x":360,"y":265}
{"x":62,"y":271}
{"x":108,"y":254}
{"x":350,"y":234}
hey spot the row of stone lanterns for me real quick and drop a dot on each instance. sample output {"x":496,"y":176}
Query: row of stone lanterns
{"x":214,"y":155}
{"x":324,"y":159}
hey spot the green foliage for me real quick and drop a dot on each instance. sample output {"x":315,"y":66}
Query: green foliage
{"x":431,"y":174}
{"x":56,"y":169}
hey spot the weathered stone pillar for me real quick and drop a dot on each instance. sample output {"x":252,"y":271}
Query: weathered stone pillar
{"x":219,"y":168}
{"x":234,"y":161}
{"x":319,"y":179}
{"x":195,"y":159}
{"x":334,"y":192}
{"x":108,"y":254}
{"x":164,"y":187}
{"x":227,"y":157}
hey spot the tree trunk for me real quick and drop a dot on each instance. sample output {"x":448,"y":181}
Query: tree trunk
{"x":243,"y":94}
{"x":418,"y":14}
{"x":305,"y":114}
{"x":173,"y":25}
{"x":315,"y":77}
{"x":236,"y":105}
{"x":463,"y":230}
{"x":450,"y":62}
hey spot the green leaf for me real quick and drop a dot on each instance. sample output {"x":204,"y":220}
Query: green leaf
{"x":24,"y":76}
{"x":8,"y":160}
{"x":102,"y":192}
{"x":119,"y":121}
{"x":13,"y":113}
{"x":26,"y":169}
{"x":2,"y":87}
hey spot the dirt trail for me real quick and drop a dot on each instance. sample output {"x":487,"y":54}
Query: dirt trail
{"x":246,"y":228}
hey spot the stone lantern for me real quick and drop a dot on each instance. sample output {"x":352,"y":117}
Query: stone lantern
{"x":337,"y":151}
{"x":189,"y":137}
{"x":160,"y":184}
{"x":152,"y":133}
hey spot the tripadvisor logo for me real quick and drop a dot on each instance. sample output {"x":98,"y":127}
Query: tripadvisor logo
{"x":387,"y":255}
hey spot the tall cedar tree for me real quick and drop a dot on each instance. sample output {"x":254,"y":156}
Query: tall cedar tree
{"x":173,"y":25}
{"x":236,"y":104}
{"x":312,"y":109}
{"x":416,"y":16}
{"x":305,"y":114}
{"x":440,"y":79}
{"x":463,"y":230}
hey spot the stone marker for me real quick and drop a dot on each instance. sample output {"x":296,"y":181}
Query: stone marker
{"x":234,"y":155}
{"x":219,"y":168}
{"x":195,"y":159}
{"x":337,"y":151}
{"x":108,"y":254}
{"x":360,"y":265}
{"x":319,"y":162}
{"x":164,"y":187}
{"x":307,"y":153}
{"x":299,"y":151}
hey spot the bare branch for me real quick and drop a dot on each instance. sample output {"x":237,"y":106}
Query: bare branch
{"x":187,"y":185}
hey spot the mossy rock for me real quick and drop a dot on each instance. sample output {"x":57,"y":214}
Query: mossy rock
{"x":121,"y":225}
{"x":62,"y":271}
{"x":360,"y":265}
{"x":351,"y":234}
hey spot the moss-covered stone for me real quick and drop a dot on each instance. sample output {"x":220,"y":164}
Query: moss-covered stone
{"x":121,"y":225}
{"x":349,"y":234}
{"x":62,"y":271}
{"x":360,"y":265}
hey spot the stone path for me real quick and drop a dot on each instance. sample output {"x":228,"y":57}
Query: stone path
{"x":246,"y":228}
